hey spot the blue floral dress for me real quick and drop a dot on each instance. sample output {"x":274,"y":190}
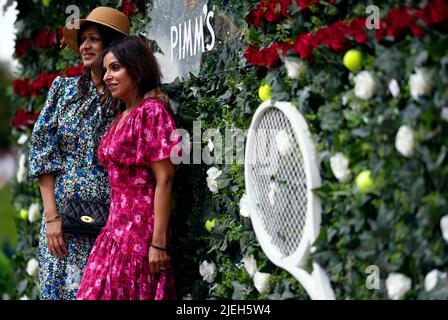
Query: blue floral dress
{"x":64,"y":142}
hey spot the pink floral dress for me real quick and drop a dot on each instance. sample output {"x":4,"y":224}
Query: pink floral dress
{"x":118,"y":267}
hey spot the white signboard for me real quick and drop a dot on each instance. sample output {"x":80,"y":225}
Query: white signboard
{"x":183,"y":31}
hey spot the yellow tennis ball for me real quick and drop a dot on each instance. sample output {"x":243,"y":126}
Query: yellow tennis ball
{"x":210,"y":224}
{"x":353,"y":60}
{"x":23,"y":214}
{"x":364,"y":181}
{"x":264,"y":92}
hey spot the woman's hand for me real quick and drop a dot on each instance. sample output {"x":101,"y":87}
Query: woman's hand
{"x":158,"y":260}
{"x":55,"y":239}
{"x":54,"y":236}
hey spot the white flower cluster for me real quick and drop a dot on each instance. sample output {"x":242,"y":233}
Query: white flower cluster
{"x":339,"y":167}
{"x":212,"y":174}
{"x":397,"y":285}
{"x":420,"y":83}
{"x":244,"y":206}
{"x":444,"y":227}
{"x":404,"y":141}
{"x":207,"y":271}
{"x":31,"y":267}
{"x":261,"y":279}
{"x":432,"y":278}
{"x":365,"y":85}
{"x":294,"y":67}
{"x":34,"y":213}
{"x":21,"y":171}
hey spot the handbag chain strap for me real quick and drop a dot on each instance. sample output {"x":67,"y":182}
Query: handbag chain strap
{"x":80,"y":124}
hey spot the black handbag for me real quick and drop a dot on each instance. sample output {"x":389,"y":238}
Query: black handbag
{"x":84,"y":217}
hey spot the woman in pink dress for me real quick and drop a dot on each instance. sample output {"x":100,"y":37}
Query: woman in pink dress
{"x":130,"y":258}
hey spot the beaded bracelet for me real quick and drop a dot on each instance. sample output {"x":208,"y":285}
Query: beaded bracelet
{"x":157,"y":247}
{"x":52,"y":220}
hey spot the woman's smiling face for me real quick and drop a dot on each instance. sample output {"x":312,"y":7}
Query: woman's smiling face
{"x":91,"y":46}
{"x":117,"y":79}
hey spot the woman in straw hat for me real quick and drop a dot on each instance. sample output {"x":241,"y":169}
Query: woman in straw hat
{"x":63,"y":152}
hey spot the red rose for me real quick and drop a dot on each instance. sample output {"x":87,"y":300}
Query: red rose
{"x":435,"y":12}
{"x":127,"y":8}
{"x":356,"y":30}
{"x":269,"y":56}
{"x":22,"y":47}
{"x":39,"y":84}
{"x":252,"y":55}
{"x":304,"y":45}
{"x":21,"y":87}
{"x":45,"y":39}
{"x":50,"y":79}
{"x":75,"y":71}
{"x":255,"y":17}
{"x":24,"y":119}
{"x":336,"y":38}
{"x":303,"y":4}
{"x":286,"y":46}
{"x":284,"y":7}
{"x":398,"y":21}
{"x":273,"y":12}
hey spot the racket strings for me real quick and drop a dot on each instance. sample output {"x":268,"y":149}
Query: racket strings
{"x":279,"y":181}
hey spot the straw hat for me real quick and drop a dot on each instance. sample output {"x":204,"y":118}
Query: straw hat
{"x":105,"y":16}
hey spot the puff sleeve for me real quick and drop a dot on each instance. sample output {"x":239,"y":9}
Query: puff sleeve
{"x":157,"y":136}
{"x":44,"y":155}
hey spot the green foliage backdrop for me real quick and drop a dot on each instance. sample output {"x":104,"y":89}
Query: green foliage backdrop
{"x":297,"y":48}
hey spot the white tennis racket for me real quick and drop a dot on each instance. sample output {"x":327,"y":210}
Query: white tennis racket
{"x":280,"y":172}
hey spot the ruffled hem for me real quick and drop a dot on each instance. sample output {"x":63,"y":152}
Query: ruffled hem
{"x":112,"y":274}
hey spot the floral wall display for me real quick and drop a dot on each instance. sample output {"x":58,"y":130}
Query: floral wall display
{"x":375,"y":96}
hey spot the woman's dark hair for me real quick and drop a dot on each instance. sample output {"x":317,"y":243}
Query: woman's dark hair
{"x":107,"y":35}
{"x":141,"y":64}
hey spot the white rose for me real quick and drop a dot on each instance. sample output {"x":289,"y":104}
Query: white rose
{"x":21,"y":171}
{"x":244,"y":206}
{"x":404,"y":141}
{"x":207,"y":271}
{"x":420,"y":83}
{"x":188,"y":296}
{"x":250,"y":264}
{"x":22,"y":139}
{"x":394,"y":88}
{"x":34,"y":213}
{"x":397,"y":285}
{"x":365,"y":85}
{"x":294,"y":67}
{"x":261,"y":282}
{"x":431,"y":279}
{"x":31,"y":267}
{"x":339,"y":167}
{"x":344,"y":100}
{"x":273,"y":189}
{"x":24,"y":297}
{"x":444,"y":113}
{"x":212,"y":174}
{"x":283,"y":141}
{"x":20,"y":26}
{"x":444,"y":227}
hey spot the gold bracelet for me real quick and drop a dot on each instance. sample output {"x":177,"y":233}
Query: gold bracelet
{"x":53,"y":219}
